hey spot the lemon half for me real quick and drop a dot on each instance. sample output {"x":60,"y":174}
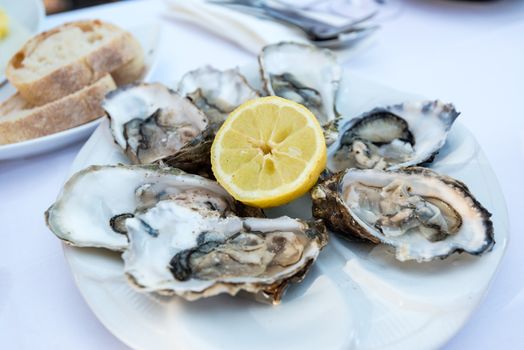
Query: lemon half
{"x":268,"y":152}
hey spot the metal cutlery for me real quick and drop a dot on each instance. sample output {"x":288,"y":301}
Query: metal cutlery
{"x":318,"y":32}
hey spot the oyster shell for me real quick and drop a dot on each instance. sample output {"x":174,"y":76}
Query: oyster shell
{"x":217,"y":93}
{"x":91,"y":209}
{"x":195,"y":253}
{"x":422,"y":214}
{"x":316,"y":88}
{"x":392,"y":137}
{"x":151,"y":122}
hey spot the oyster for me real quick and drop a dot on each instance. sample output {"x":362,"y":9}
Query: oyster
{"x":314,"y":84}
{"x":422,"y":214}
{"x":396,"y":136}
{"x":151,"y":122}
{"x":91,"y":209}
{"x":217,"y":93}
{"x":197,"y":252}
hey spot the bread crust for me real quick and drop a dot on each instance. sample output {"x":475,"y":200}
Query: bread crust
{"x":120,"y":52}
{"x":19,"y":121}
{"x":133,"y":70}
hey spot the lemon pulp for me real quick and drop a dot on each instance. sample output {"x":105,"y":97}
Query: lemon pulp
{"x":268,"y":152}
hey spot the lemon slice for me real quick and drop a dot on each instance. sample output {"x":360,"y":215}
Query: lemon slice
{"x":268,"y":152}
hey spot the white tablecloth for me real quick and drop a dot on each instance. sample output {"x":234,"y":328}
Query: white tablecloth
{"x":468,"y":53}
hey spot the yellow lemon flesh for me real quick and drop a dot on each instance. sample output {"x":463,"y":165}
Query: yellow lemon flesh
{"x":4,"y":24}
{"x":268,"y":152}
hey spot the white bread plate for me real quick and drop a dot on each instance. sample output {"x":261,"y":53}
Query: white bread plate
{"x":147,"y":35}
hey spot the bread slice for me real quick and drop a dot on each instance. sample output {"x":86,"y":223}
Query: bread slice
{"x":133,"y":70}
{"x":20,"y":121}
{"x":65,"y":59}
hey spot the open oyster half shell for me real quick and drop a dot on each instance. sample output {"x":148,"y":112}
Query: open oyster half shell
{"x":91,"y":208}
{"x":420,"y":213}
{"x":197,"y":252}
{"x":392,"y":137}
{"x":150,"y":123}
{"x":217,"y":93}
{"x":307,"y":75}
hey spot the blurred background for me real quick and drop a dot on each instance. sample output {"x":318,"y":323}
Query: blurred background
{"x":55,"y":6}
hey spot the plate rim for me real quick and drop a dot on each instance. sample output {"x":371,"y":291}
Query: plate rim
{"x":61,"y":134}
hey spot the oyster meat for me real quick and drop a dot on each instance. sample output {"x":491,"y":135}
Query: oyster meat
{"x":151,"y":122}
{"x":422,"y":214}
{"x":217,"y":93}
{"x":392,"y":137}
{"x":304,"y":74}
{"x":91,"y":209}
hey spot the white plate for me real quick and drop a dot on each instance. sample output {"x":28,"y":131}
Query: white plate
{"x":148,"y":36}
{"x":355,"y":296}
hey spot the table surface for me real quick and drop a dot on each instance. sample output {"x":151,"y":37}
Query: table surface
{"x":468,"y":53}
